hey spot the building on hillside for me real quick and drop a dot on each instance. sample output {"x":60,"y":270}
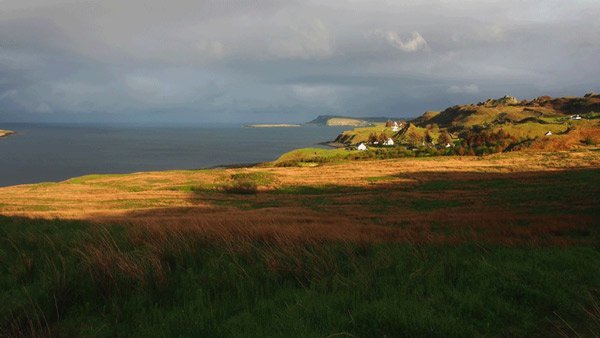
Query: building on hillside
{"x":361,"y":146}
{"x":395,"y":127}
{"x":575,"y":117}
{"x":388,"y":142}
{"x":448,"y":145}
{"x":549,"y":133}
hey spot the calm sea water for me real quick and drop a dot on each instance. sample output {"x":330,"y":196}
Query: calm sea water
{"x":40,"y":153}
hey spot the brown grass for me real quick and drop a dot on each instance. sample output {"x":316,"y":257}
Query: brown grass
{"x":574,"y":138}
{"x":391,"y":209}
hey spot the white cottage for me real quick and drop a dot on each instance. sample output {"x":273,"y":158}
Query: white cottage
{"x":549,"y":133}
{"x":576,"y":117}
{"x":388,"y":142}
{"x":395,"y":127}
{"x":361,"y":146}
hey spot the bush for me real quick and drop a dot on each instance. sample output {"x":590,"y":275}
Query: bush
{"x":591,"y":115}
{"x":241,"y":186}
{"x":483,"y":142}
{"x":588,"y":141}
{"x":247,"y":183}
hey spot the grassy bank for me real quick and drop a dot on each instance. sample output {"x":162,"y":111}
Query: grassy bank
{"x":73,"y":279}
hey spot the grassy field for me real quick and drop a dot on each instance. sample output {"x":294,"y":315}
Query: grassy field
{"x":502,"y":245}
{"x":64,"y":278}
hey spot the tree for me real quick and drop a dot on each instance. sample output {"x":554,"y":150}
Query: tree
{"x":428,"y":138}
{"x":372,"y":138}
{"x":444,"y":138}
{"x":382,"y":137}
{"x":414,"y":139}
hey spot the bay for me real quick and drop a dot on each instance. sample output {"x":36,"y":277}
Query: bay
{"x":55,"y":152}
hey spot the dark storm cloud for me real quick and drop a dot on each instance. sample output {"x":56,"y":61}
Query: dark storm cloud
{"x":77,"y":60}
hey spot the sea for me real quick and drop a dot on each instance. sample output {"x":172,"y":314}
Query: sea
{"x":56,"y":152}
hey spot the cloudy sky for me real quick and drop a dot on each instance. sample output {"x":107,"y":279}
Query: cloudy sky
{"x":260,"y":61}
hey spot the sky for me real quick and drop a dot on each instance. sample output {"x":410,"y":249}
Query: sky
{"x":195,"y":61}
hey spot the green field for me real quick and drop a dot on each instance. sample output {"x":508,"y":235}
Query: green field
{"x":64,"y":278}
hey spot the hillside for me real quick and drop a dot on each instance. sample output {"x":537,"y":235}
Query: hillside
{"x":495,"y":125}
{"x":334,"y":120}
{"x":511,"y":112}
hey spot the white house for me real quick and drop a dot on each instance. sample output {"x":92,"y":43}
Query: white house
{"x":388,"y":142}
{"x":361,"y":146}
{"x":575,"y":117}
{"x":448,"y":145}
{"x":549,"y":133}
{"x":395,"y":127}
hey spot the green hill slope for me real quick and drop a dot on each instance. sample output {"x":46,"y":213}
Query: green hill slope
{"x":509,"y":111}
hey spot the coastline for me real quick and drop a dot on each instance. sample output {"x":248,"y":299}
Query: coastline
{"x":186,"y":139}
{"x":272,"y":125}
{"x":333,"y":144}
{"x":5,"y":133}
{"x":233,"y":166}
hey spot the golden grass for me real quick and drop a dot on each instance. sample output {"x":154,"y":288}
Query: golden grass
{"x":110,"y":195}
{"x":359,"y":205}
{"x":583,"y":131}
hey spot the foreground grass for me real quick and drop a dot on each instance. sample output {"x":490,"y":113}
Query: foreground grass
{"x":63,"y":278}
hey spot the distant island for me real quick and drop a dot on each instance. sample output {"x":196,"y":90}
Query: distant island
{"x":327,"y":121}
{"x":336,"y":120}
{"x":272,"y":125}
{"x":4,"y":133}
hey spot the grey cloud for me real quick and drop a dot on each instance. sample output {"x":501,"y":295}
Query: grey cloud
{"x":467,"y":89}
{"x":246,"y":60}
{"x":412,"y":44}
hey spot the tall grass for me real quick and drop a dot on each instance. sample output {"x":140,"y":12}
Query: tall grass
{"x":64,"y":278}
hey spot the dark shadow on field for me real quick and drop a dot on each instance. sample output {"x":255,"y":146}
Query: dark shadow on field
{"x":552,"y":207}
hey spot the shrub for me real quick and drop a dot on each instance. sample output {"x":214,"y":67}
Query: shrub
{"x":588,"y":141}
{"x":591,"y":115}
{"x":247,"y":183}
{"x":483,"y":142}
{"x":242,"y":186}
